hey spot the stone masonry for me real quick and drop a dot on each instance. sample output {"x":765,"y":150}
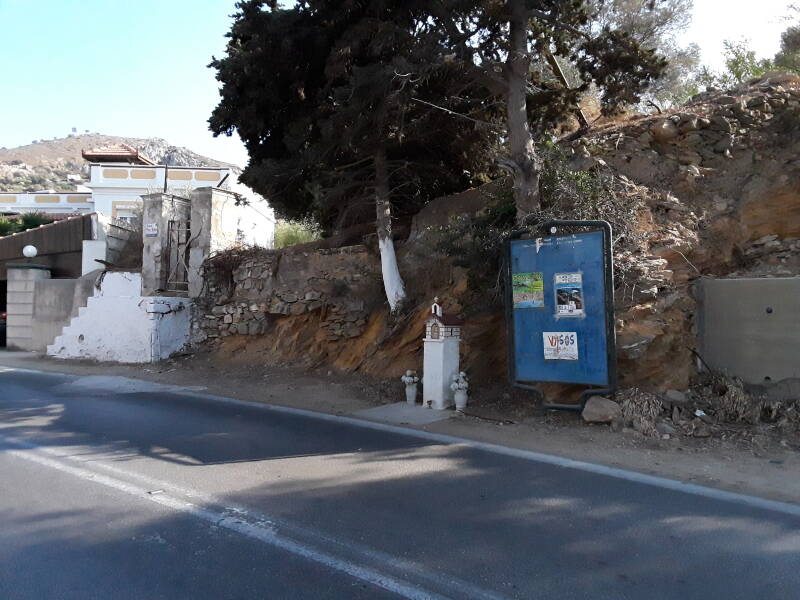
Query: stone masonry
{"x":268,"y":285}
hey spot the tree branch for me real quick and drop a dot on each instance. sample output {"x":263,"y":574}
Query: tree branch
{"x":540,"y":14}
{"x":457,"y":114}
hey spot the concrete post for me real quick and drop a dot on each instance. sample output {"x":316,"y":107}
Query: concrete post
{"x":214,"y":228}
{"x":201,"y":238}
{"x":22,"y":280}
{"x":153,"y":244}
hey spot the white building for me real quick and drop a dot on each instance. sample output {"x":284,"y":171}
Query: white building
{"x":119,"y":176}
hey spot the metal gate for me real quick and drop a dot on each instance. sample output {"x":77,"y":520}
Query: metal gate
{"x":178,"y":238}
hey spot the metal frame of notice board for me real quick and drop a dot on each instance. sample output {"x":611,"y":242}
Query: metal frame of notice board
{"x":555,"y":307}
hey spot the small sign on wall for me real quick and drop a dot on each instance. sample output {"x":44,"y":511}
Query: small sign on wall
{"x":560,"y":345}
{"x":569,"y":295}
{"x":528,"y":290}
{"x":151,"y":230}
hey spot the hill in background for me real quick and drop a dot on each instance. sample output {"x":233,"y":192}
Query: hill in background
{"x":58,"y":164}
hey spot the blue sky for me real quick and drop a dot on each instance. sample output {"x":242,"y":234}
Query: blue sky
{"x":138,"y":67}
{"x":119,"y":67}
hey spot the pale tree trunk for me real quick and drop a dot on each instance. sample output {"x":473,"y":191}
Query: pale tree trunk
{"x":522,"y":163}
{"x":392,"y":282}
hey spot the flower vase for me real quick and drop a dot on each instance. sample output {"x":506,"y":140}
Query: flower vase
{"x":411,"y":393}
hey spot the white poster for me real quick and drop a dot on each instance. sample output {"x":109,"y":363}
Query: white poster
{"x":560,"y":345}
{"x":151,"y":230}
{"x":569,"y":295}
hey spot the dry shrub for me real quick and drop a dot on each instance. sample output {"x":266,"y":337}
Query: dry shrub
{"x":735,"y":404}
{"x":641,"y":410}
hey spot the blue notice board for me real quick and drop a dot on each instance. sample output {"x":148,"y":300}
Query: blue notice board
{"x":559,"y":309}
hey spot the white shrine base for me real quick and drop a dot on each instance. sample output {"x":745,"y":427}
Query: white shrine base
{"x":403,"y":413}
{"x":440,"y":363}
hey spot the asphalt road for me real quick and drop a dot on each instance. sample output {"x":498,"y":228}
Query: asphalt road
{"x":111,"y":488}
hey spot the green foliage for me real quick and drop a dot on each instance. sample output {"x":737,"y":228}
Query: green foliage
{"x":23,"y":222}
{"x":788,"y":57}
{"x":741,"y":62}
{"x":7,"y":226}
{"x":291,"y":233}
{"x":477,"y":243}
{"x":741,"y":65}
{"x":318,"y":90}
{"x":656,"y":25}
{"x":32,"y":220}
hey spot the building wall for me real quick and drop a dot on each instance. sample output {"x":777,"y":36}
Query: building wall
{"x":158,"y":211}
{"x":220,"y":222}
{"x":60,"y":245}
{"x":51,"y":203}
{"x":117,"y":189}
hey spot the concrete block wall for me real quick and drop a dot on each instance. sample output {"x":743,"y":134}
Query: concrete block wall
{"x":750,"y":328}
{"x":20,"y":296}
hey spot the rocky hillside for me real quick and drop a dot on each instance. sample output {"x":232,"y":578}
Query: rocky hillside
{"x":57,"y":164}
{"x":723,"y":177}
{"x":709,"y":189}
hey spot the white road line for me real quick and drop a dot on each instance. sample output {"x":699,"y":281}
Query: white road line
{"x":240,"y":520}
{"x":464,"y":589}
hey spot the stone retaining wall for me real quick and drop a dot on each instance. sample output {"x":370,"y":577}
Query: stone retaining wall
{"x":336,"y":283}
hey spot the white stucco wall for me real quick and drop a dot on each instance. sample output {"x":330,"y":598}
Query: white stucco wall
{"x":46,"y":202}
{"x":119,"y":325}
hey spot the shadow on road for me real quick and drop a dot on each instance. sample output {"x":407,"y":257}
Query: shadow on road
{"x":521,"y":528}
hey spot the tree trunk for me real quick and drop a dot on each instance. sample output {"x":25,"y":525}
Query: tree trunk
{"x":522,"y":163}
{"x":392,"y":282}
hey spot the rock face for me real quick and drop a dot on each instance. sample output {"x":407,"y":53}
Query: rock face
{"x":716,"y":186}
{"x":664,"y":131}
{"x":724,"y":201}
{"x":601,"y":410}
{"x":327,"y":307}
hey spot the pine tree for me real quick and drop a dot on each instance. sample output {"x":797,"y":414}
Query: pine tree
{"x":353,"y":106}
{"x":346,"y":105}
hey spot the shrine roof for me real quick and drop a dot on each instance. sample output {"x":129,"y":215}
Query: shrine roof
{"x":448,"y":320}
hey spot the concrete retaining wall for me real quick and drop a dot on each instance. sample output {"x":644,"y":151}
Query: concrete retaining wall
{"x":55,"y":303}
{"x":750,"y":328}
